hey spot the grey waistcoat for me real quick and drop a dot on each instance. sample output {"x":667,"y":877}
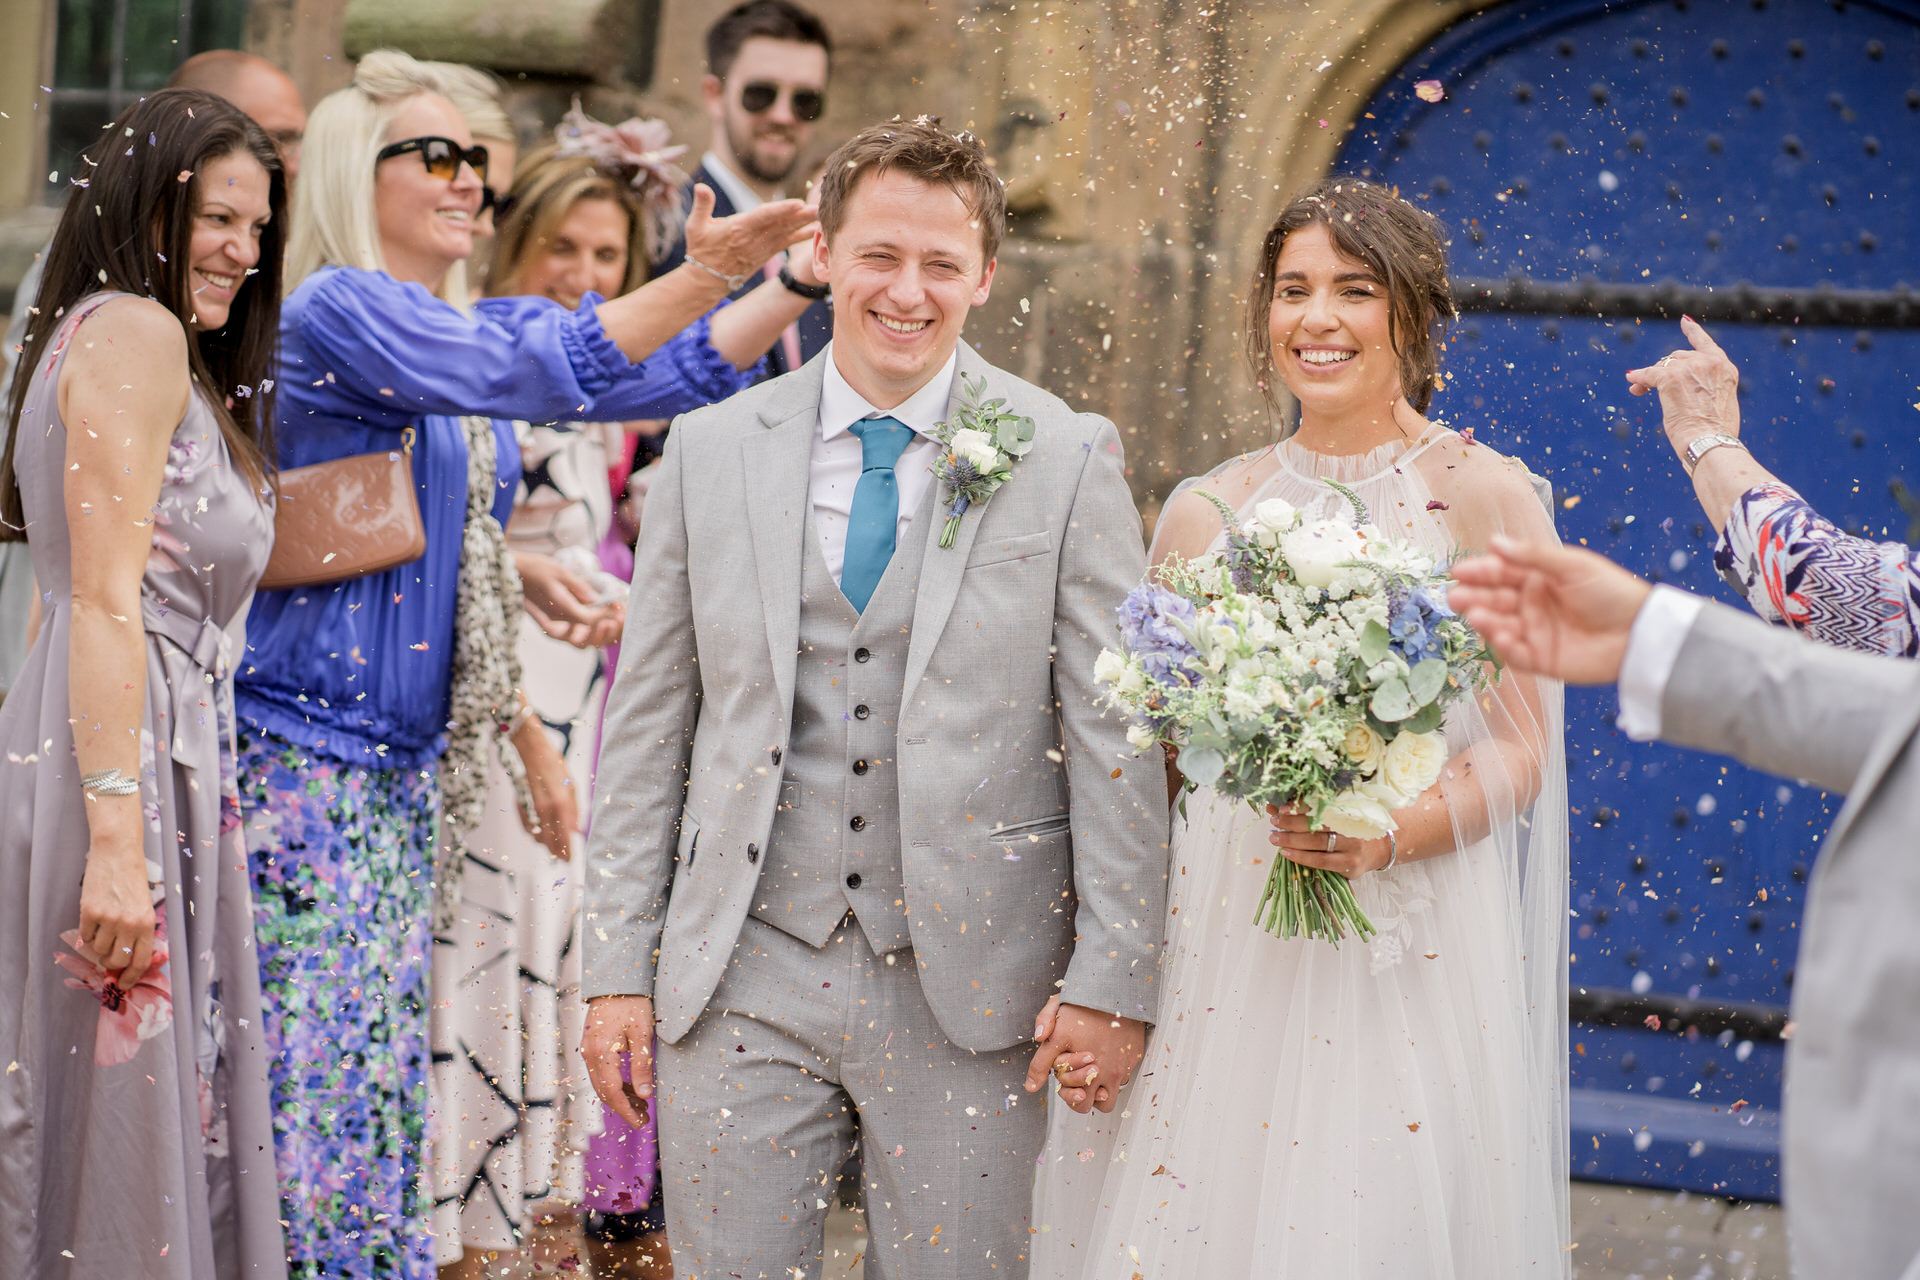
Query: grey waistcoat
{"x":835,"y":842}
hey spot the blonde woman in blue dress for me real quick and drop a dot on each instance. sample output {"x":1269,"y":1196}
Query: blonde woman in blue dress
{"x":1394,"y":1108}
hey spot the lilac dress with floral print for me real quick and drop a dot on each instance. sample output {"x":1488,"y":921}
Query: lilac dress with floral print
{"x":136,"y":1136}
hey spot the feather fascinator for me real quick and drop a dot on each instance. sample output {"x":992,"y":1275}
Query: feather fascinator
{"x":641,"y":153}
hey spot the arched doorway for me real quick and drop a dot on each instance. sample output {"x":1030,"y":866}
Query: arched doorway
{"x":1605,"y":167}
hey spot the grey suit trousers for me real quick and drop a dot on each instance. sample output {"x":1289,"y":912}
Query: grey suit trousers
{"x":799,"y":1051}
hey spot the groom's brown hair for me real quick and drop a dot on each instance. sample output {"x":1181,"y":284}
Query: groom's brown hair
{"x":920,"y":149}
{"x":1401,"y":244}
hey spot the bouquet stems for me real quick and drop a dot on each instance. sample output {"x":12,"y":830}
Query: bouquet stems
{"x":1309,"y":902}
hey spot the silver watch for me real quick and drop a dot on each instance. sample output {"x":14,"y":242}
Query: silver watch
{"x":1700,"y":446}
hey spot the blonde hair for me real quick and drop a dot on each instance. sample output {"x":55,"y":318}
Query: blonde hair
{"x":334,"y":220}
{"x":545,"y":188}
{"x":480,"y":99}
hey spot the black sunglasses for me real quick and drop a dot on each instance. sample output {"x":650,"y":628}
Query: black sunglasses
{"x":442,"y":156}
{"x":760,"y":95}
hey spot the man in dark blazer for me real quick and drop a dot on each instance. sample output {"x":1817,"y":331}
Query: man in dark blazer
{"x":766,"y":84}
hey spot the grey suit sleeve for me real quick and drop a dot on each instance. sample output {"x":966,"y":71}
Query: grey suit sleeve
{"x":1778,"y":701}
{"x":640,"y":785}
{"x":1119,"y":822}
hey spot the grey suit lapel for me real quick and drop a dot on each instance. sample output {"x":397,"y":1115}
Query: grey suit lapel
{"x":941,"y":569}
{"x":777,"y":465}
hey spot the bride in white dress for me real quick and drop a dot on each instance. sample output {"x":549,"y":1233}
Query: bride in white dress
{"x":1395,"y":1108}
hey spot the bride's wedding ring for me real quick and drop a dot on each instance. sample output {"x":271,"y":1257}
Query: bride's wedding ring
{"x":1061,"y":1065}
{"x":1331,"y":837}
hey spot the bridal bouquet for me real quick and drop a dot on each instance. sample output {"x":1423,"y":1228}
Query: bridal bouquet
{"x":1306,"y":662}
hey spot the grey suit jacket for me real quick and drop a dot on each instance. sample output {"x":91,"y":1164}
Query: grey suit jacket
{"x":1033,"y":839}
{"x":1845,"y":721}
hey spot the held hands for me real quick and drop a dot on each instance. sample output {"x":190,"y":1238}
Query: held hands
{"x":116,"y":907}
{"x":740,"y":245}
{"x":1091,"y":1054}
{"x":1553,"y":611}
{"x":1293,"y":835}
{"x":1699,"y":389}
{"x":565,"y":605}
{"x":616,"y":1025}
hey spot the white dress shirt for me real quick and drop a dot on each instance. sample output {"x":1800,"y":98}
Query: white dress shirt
{"x":837,"y":453}
{"x":745,"y":198}
{"x":1653,"y":648}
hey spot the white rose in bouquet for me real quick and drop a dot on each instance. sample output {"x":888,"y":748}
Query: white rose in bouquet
{"x":1359,"y":813}
{"x":1365,"y":748}
{"x":1413,"y":762}
{"x":1109,"y":667}
{"x":976,"y":447}
{"x":1139,"y":737}
{"x":1270,"y":519}
{"x":1316,"y":551}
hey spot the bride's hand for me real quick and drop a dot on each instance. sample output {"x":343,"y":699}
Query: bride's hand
{"x":1294,"y":836}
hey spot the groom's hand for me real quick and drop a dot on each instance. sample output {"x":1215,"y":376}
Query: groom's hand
{"x":617,"y":1025}
{"x":1115,"y":1046}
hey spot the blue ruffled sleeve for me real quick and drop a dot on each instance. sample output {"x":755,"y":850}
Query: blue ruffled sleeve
{"x":684,"y":374}
{"x":396,"y":352}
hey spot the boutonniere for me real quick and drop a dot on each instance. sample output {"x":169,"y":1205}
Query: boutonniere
{"x":982,"y":443}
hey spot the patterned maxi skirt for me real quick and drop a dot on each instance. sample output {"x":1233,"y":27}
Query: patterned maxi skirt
{"x":342,"y":861}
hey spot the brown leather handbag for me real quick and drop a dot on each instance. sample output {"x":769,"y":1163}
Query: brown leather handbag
{"x":345,"y":518}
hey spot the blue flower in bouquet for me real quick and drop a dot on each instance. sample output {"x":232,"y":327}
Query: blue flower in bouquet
{"x":1151,"y":621}
{"x":1412,"y":625}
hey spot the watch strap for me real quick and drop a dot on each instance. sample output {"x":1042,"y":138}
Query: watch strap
{"x":812,"y":292}
{"x":1700,"y":446}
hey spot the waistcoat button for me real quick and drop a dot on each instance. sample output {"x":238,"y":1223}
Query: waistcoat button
{"x":859,"y":768}
{"x":861,"y":654}
{"x":859,"y":823}
{"x":753,"y":853}
{"x":853,"y":881}
{"x":860,"y":712}
{"x":776,"y":755}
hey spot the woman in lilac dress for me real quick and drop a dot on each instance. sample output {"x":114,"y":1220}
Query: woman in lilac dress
{"x":134,"y":1118}
{"x":353,"y":691}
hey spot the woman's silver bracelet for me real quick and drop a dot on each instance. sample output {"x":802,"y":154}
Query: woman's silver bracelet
{"x":1393,"y":852}
{"x":108,"y":782}
{"x":732,"y":282}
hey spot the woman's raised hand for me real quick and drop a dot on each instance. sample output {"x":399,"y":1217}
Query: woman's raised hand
{"x":740,"y":245}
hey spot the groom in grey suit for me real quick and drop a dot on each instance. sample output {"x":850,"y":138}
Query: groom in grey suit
{"x":1702,"y":675}
{"x":858,"y":814}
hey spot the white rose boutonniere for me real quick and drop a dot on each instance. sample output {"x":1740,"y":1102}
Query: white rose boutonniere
{"x":982,"y":441}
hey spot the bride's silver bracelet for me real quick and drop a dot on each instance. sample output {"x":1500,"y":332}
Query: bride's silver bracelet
{"x":1393,"y":852}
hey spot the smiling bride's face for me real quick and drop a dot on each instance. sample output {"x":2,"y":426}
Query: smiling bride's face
{"x":1330,"y":327}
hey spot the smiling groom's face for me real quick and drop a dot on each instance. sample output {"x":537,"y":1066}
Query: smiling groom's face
{"x":906,"y":265}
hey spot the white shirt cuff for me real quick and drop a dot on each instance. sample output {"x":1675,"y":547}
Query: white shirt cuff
{"x":1653,"y":647}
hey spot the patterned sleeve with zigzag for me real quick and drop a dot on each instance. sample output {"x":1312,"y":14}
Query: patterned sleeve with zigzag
{"x":1799,"y":570}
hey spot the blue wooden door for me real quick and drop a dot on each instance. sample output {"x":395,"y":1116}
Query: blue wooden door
{"x":1604,"y":168}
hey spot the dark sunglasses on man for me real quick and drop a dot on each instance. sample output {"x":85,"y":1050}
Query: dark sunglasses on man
{"x":442,"y":156}
{"x":758,"y":96}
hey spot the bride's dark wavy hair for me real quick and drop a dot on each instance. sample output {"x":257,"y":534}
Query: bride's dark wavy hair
{"x":1400,"y":243}
{"x":127,"y":228}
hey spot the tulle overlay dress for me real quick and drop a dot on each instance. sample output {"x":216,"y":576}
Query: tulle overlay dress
{"x":1386,"y":1109}
{"x":136,"y":1137}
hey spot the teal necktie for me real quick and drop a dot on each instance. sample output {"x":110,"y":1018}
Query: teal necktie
{"x":876,"y":507}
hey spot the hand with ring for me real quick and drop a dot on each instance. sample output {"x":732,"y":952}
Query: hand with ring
{"x":1294,"y":836}
{"x":1698,"y":386}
